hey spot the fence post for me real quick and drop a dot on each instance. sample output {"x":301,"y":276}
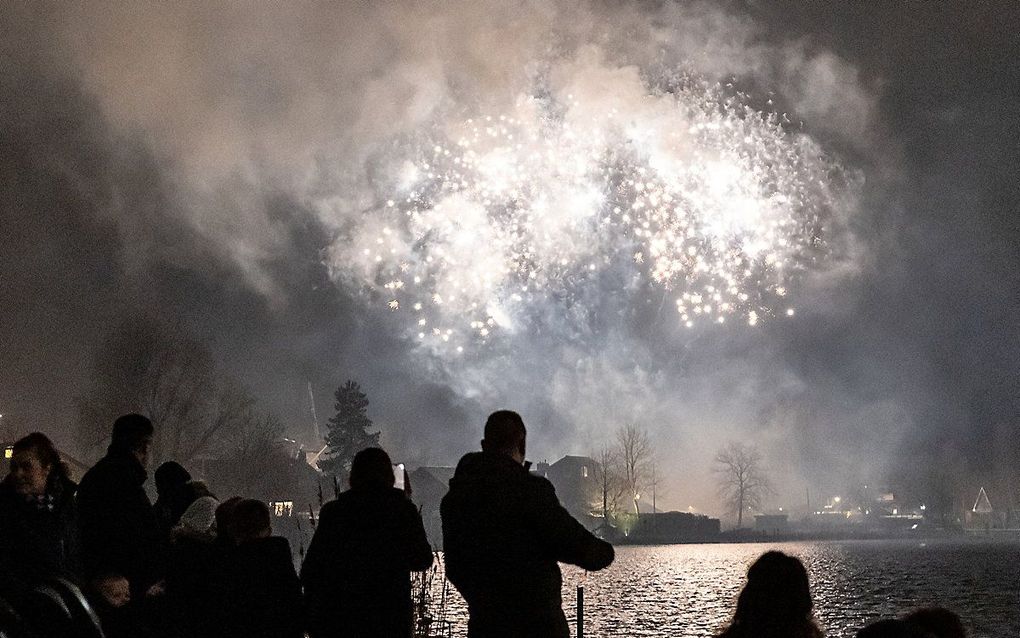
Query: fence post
{"x":580,"y":611}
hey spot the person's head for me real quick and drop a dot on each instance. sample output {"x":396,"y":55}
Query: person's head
{"x":132,"y":433}
{"x":505,"y":434}
{"x":937,"y":621}
{"x":776,"y":599}
{"x":251,"y":520}
{"x":372,"y":468}
{"x":114,"y":589}
{"x":34,"y":463}
{"x":891,"y":629}
{"x":225,"y":519}
{"x":199,"y":520}
{"x":171,"y":477}
{"x":196,"y":489}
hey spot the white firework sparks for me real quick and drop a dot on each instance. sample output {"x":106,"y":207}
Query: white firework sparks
{"x":713,"y":204}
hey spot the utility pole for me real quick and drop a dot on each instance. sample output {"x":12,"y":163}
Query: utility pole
{"x":655,"y":480}
{"x":315,"y":418}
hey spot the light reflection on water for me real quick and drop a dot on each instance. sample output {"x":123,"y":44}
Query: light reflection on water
{"x":690,"y":590}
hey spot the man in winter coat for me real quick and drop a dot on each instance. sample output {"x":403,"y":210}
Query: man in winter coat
{"x":119,"y":531}
{"x":504,"y":531}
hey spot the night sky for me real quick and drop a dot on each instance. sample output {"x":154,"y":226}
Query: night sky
{"x":199,"y":163}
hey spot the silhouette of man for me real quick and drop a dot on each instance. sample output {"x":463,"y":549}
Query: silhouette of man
{"x":119,"y":530}
{"x":504,"y":531}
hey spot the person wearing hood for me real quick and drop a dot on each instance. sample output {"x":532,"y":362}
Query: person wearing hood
{"x":504,"y":532}
{"x":119,"y":532}
{"x":368,"y":541}
{"x":194,"y":564}
{"x":172,"y":496}
{"x":38,"y":517}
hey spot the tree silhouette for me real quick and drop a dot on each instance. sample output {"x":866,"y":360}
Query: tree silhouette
{"x":348,"y":430}
{"x":611,"y":486}
{"x":157,"y":368}
{"x":742,"y":481}
{"x":634,"y":454}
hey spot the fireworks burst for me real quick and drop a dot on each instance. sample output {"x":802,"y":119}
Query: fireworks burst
{"x":709,"y":202}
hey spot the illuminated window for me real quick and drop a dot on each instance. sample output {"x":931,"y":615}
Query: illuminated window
{"x":8,"y":452}
{"x":584,"y":471}
{"x":282,"y":508}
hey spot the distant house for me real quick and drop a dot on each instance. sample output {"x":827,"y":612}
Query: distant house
{"x":772,"y":523}
{"x":576,"y":483}
{"x":281,"y":477}
{"x":673,"y":527}
{"x":429,"y":485}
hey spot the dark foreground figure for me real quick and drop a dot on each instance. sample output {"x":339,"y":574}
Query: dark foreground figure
{"x":357,"y":571}
{"x":172,"y":497}
{"x":38,"y":521}
{"x":119,"y":531}
{"x":258,"y":590}
{"x":504,"y":531}
{"x":775,"y":602}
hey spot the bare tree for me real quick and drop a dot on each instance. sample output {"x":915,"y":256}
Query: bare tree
{"x":251,"y":453}
{"x":742,"y":480}
{"x":634,"y":452}
{"x":610,"y":484}
{"x":148,"y":366}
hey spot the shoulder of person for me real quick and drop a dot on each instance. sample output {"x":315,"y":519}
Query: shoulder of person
{"x":541,"y":485}
{"x":467,"y":461}
{"x":397,"y":495}
{"x":278,"y":545}
{"x":403,"y":501}
{"x":271,"y":547}
{"x":340,"y":503}
{"x":68,"y":491}
{"x":104,"y":475}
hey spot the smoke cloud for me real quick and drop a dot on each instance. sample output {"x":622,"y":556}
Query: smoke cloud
{"x":220,"y":162}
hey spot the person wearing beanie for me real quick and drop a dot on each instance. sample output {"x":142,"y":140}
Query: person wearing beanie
{"x":195,"y":563}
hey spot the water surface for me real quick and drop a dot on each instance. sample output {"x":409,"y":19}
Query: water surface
{"x":690,"y":590}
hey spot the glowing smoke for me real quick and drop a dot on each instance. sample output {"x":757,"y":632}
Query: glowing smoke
{"x":330,"y":111}
{"x":679,"y":192}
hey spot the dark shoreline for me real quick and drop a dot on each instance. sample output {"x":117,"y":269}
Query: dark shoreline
{"x":993,"y":536}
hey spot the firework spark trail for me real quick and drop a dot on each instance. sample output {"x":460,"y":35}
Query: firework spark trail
{"x":714,"y":203}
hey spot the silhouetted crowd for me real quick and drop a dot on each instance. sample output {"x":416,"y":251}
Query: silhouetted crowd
{"x":99,"y":559}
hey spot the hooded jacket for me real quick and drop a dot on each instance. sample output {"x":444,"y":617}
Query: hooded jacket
{"x":504,"y":532}
{"x":356,"y":573}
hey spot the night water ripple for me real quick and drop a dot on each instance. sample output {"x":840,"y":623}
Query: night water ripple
{"x":689,"y":591}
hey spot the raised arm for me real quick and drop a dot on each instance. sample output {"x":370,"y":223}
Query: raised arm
{"x":566,"y":539}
